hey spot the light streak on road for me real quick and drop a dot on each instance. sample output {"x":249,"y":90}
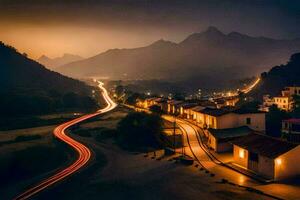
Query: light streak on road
{"x":84,"y":153}
{"x":250,"y":87}
{"x":245,"y":90}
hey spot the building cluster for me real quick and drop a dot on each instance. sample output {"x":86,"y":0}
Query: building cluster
{"x":284,"y":102}
{"x":241,"y":132}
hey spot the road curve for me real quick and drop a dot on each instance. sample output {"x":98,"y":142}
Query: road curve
{"x":84,"y":154}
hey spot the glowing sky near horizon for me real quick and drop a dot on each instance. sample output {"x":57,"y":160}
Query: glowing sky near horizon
{"x":86,"y":28}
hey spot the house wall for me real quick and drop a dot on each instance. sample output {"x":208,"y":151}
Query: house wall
{"x":266,"y":166}
{"x":233,"y":120}
{"x":287,"y":165}
{"x":212,"y":142}
{"x":257,"y":121}
{"x":210,"y":121}
{"x":242,"y":161}
{"x":199,"y":117}
{"x":223,"y":147}
{"x":283,"y":103}
{"x":227,"y":121}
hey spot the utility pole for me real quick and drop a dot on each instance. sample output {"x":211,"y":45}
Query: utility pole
{"x":174,"y":132}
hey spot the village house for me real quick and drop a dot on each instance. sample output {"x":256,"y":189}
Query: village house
{"x":226,"y":101}
{"x":192,"y":112}
{"x":147,"y":103}
{"x":173,"y":106}
{"x":230,"y":118}
{"x":219,"y":139}
{"x":266,"y":156}
{"x":290,"y":91}
{"x":285,"y":101}
{"x":291,"y":129}
{"x":267,"y":103}
{"x":185,"y":109}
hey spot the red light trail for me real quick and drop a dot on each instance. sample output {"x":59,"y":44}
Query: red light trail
{"x":84,"y":153}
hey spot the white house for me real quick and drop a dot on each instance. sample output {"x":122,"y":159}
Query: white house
{"x":224,"y":118}
{"x":269,"y":157}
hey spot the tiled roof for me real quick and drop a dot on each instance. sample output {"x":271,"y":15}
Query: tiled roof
{"x":230,"y":132}
{"x":264,"y":145}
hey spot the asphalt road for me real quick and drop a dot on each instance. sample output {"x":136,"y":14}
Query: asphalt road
{"x":83,"y":152}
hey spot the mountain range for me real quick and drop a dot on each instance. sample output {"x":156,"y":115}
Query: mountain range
{"x":27,"y":87}
{"x":53,"y":63}
{"x":209,"y":59}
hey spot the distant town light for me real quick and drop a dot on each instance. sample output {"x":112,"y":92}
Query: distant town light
{"x":241,"y":153}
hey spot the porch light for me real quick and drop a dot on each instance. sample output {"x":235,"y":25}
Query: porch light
{"x":278,"y":161}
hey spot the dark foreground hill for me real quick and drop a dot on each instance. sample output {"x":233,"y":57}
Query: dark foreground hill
{"x":278,"y":78}
{"x":27,"y":87}
{"x":209,"y":59}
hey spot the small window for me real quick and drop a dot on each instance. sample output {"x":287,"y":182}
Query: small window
{"x":253,"y":157}
{"x":248,"y":121}
{"x":286,"y":125}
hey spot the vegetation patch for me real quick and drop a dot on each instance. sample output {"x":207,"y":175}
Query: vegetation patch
{"x":140,"y":131}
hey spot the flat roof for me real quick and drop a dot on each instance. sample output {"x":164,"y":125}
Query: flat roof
{"x":230,"y":132}
{"x":264,"y":145}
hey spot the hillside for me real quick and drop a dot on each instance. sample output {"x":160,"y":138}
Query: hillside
{"x":279,"y":77}
{"x":53,"y":63}
{"x":205,"y":59}
{"x":27,"y":87}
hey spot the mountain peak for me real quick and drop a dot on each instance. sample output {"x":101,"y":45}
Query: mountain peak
{"x":235,"y":34}
{"x":213,"y":30}
{"x":162,"y":42}
{"x":44,"y":57}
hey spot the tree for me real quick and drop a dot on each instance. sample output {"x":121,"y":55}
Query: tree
{"x":273,"y":121}
{"x":140,"y":131}
{"x":119,"y":90}
{"x":132,"y":98}
{"x":156,"y":109}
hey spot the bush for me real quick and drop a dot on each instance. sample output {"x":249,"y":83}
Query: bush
{"x":140,"y":131}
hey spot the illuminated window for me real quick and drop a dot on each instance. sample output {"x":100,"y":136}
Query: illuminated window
{"x":278,"y":161}
{"x":241,"y":153}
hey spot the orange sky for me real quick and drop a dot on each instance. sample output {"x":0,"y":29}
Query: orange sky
{"x":87,"y":28}
{"x":84,"y":41}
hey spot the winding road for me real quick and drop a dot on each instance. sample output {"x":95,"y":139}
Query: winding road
{"x":84,"y":153}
